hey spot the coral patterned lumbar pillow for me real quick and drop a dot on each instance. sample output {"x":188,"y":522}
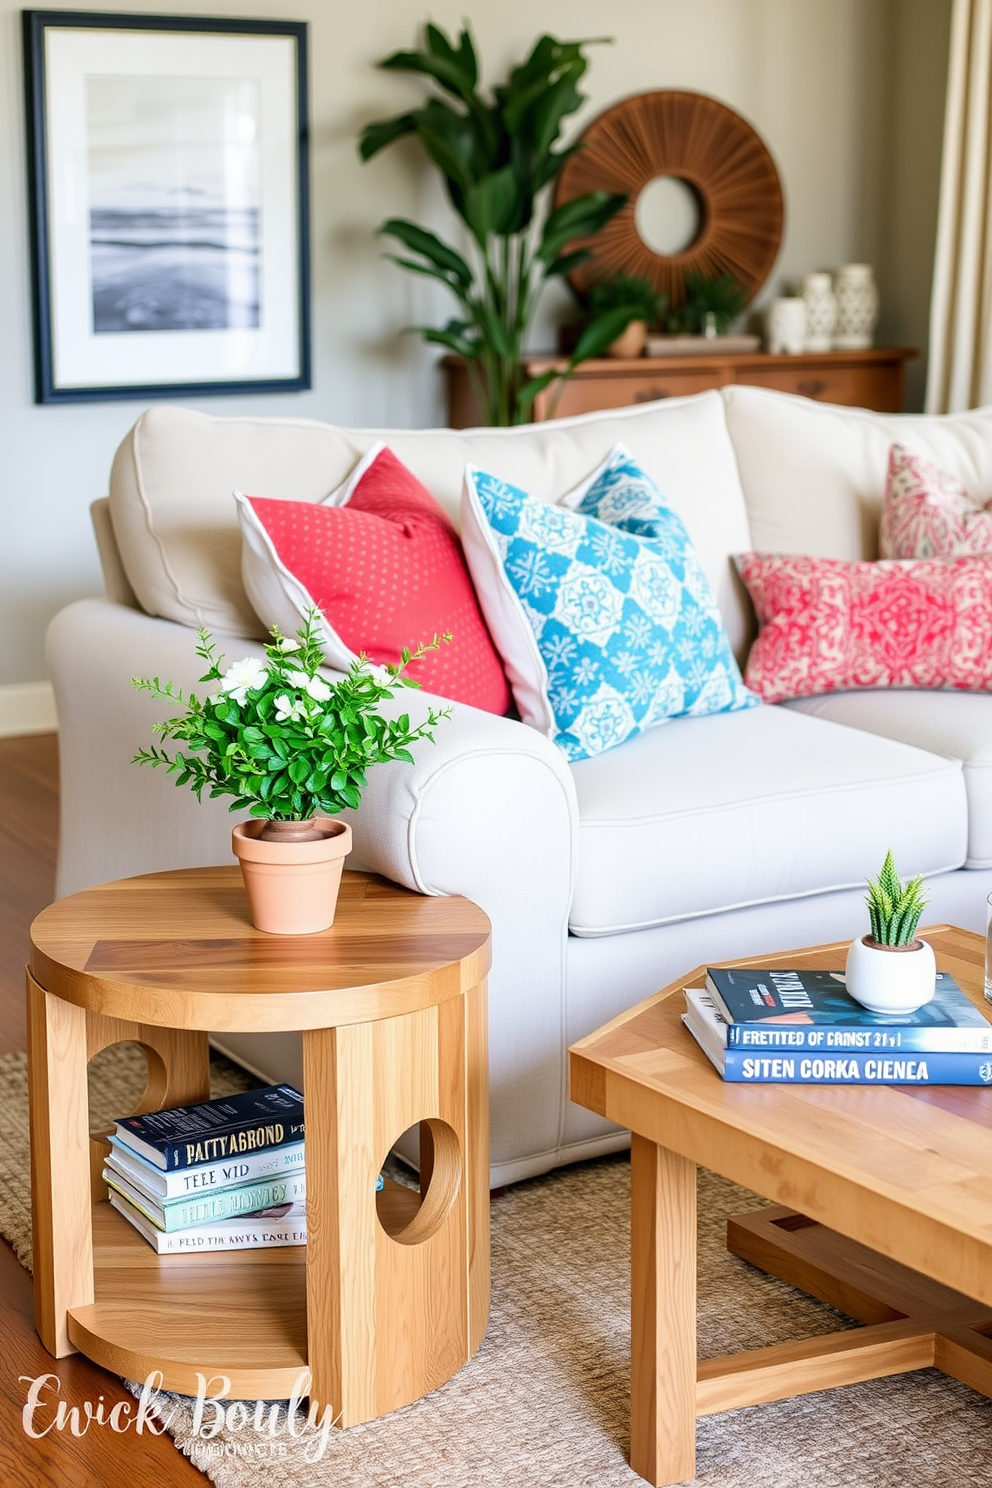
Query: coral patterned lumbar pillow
{"x":829,"y":626}
{"x":927,"y":513}
{"x":381,"y":561}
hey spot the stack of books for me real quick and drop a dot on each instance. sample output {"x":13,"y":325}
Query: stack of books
{"x":226,"y":1174}
{"x":802,"y":1027}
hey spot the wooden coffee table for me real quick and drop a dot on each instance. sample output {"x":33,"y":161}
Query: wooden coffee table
{"x":390,"y":1296}
{"x":901,"y":1175}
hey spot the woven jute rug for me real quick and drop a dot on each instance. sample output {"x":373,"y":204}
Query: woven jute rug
{"x":544,"y":1404}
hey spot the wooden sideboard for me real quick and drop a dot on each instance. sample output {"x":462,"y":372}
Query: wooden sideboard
{"x":861,"y":379}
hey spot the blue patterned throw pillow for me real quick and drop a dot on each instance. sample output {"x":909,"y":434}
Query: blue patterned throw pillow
{"x":603,"y":614}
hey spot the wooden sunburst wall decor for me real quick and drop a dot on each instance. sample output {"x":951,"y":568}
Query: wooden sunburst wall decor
{"x":716,"y":153}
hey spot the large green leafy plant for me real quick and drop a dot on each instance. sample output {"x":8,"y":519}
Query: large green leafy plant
{"x":498,"y":156}
{"x":277,"y":736}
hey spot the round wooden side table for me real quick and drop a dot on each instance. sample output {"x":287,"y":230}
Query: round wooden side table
{"x":390,"y":1296}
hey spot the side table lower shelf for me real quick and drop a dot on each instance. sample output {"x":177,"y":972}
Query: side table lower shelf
{"x":242,"y":1314}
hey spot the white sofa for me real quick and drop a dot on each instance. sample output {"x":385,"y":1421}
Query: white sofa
{"x":703,"y":839}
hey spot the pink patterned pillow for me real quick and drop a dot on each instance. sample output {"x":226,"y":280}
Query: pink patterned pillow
{"x":927,"y":513}
{"x":827,"y":626}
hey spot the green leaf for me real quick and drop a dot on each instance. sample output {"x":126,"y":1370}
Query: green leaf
{"x":419,"y":240}
{"x":454,"y":338}
{"x":566,"y":262}
{"x":581,"y":217}
{"x":492,"y":205}
{"x":600,"y":333}
{"x":552,"y":107}
{"x":531,"y":389}
{"x":447,"y":67}
{"x":450,"y":141}
{"x":377,"y":136}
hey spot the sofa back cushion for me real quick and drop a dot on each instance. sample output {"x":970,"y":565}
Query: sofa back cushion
{"x":814,"y":474}
{"x":176,"y":525}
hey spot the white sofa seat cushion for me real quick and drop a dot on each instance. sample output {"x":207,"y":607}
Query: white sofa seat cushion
{"x":710,"y":814}
{"x":957,"y":725}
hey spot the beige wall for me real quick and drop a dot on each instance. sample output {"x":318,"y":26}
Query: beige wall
{"x":848,"y":94}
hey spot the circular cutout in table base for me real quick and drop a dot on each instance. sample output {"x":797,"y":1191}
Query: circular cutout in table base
{"x":715,"y":152}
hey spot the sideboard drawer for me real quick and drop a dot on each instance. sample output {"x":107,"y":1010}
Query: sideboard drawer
{"x":876,"y":386}
{"x":583,"y":394}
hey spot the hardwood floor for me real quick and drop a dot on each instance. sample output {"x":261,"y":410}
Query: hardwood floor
{"x":101,"y":1458}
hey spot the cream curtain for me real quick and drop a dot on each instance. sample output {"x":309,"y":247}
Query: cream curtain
{"x":960,"y":369}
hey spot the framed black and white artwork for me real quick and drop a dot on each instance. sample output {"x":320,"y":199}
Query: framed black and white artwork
{"x":168,"y":196}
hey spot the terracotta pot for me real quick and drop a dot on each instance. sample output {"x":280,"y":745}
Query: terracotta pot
{"x":292,"y":886}
{"x":631,"y":343}
{"x":890,"y":979}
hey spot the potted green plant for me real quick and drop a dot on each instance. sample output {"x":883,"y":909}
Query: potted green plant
{"x":891,"y":970}
{"x":498,"y":156}
{"x":293,"y":749}
{"x":710,"y":307}
{"x":634,"y":296}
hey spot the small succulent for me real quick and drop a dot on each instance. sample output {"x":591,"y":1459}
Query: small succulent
{"x":894,"y":908}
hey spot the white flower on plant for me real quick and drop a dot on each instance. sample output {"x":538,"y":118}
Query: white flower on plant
{"x":243,"y":677}
{"x":314,"y":687}
{"x":286,"y":643}
{"x":288,"y":711}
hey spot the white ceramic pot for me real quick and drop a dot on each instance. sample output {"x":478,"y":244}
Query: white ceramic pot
{"x":786,"y":326}
{"x":857,"y":307}
{"x":890,"y":979}
{"x":821,"y":312}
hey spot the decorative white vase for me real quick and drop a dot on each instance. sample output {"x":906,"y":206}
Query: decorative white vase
{"x":786,"y":326}
{"x":821,"y":312}
{"x":857,"y":307}
{"x":890,"y":979}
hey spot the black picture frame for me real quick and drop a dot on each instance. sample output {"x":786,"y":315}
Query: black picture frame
{"x":168,"y":210}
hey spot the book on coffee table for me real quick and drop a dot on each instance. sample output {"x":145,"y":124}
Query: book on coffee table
{"x":813,"y":1010}
{"x":789,"y":1065}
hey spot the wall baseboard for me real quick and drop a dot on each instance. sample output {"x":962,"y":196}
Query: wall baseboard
{"x":27,"y":708}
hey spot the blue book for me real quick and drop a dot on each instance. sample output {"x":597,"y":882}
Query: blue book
{"x":796,"y":1010}
{"x":231,"y":1126}
{"x":790,"y":1066}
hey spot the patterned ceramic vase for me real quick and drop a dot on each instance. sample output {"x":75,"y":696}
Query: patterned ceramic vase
{"x":821,"y":312}
{"x":857,"y":306}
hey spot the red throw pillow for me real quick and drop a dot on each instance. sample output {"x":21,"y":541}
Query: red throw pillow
{"x":382,"y":562}
{"x":827,"y":626}
{"x":927,"y":512}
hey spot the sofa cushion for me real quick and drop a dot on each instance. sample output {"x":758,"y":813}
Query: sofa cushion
{"x":711,"y":814}
{"x":814,"y":474}
{"x":827,"y":625}
{"x":175,"y":521}
{"x":382,"y":563}
{"x":605,"y":631}
{"x":955,"y":724}
{"x":928,"y":513}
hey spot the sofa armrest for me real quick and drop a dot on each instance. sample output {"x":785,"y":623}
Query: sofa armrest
{"x":488,"y":811}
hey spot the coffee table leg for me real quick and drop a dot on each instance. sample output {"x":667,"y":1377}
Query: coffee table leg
{"x":662,"y":1313}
